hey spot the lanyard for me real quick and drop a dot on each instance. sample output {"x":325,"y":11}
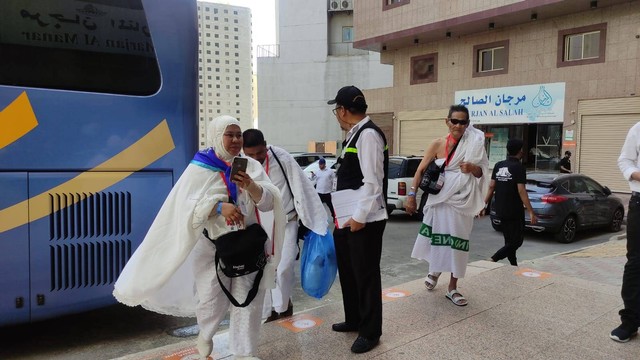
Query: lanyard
{"x":446,"y":148}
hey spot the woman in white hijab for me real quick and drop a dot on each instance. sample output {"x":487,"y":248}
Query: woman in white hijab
{"x":173,"y":270}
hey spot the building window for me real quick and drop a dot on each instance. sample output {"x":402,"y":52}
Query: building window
{"x":390,"y":4}
{"x":347,"y":34}
{"x":491,"y":59}
{"x":583,"y":45}
{"x":424,"y":69}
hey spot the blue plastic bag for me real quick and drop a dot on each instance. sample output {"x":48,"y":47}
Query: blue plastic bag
{"x":318,"y":265}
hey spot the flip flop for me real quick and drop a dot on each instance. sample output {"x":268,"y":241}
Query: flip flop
{"x":431,"y":281}
{"x":457,"y":300}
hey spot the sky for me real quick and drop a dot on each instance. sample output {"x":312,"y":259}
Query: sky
{"x":263,"y":16}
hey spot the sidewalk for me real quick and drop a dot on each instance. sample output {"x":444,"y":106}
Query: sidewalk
{"x":560,"y":307}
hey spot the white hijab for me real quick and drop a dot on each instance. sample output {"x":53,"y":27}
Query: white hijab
{"x":215,"y":135}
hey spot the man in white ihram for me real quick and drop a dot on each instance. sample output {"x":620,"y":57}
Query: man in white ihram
{"x":299,"y":202}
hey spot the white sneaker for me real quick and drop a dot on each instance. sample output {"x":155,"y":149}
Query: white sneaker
{"x":205,"y":347}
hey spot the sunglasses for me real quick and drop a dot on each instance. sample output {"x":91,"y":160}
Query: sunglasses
{"x":458,"y":121}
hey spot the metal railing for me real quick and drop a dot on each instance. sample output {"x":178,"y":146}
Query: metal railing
{"x":266,"y":51}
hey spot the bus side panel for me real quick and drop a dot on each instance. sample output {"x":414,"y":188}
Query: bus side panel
{"x":80,"y":248}
{"x":14,"y":252}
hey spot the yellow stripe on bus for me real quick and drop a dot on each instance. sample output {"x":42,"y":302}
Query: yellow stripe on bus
{"x":16,"y":120}
{"x":151,"y":147}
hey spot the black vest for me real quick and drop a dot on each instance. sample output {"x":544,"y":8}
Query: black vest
{"x":349,"y":173}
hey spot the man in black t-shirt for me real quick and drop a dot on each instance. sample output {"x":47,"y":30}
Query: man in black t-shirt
{"x":565,"y":163}
{"x":508,"y":182}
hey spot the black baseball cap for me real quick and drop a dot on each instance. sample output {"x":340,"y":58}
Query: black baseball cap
{"x":351,"y":98}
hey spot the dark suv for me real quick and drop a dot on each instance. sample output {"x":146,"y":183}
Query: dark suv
{"x":401,"y":172}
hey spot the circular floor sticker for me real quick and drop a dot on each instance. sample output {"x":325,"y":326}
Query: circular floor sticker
{"x":304,"y":323}
{"x":395,"y":294}
{"x":531,"y":274}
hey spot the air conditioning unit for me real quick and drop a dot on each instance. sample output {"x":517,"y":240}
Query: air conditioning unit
{"x":346,"y":4}
{"x":334,"y":5}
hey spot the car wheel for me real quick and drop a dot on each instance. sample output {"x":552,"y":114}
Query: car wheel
{"x":419,"y":215}
{"x":496,"y":227}
{"x":389,"y":210}
{"x":567,"y":231}
{"x":616,"y":220}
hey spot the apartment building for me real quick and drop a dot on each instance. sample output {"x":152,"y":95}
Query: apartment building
{"x":313,"y":58}
{"x":558,"y":74}
{"x":224,"y":65}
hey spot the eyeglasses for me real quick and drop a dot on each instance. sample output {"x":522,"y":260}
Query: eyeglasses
{"x":336,"y":110}
{"x":233,"y":136}
{"x":459,"y":121}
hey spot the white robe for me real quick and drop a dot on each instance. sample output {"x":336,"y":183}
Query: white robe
{"x":444,"y":237}
{"x":159,"y":276}
{"x":309,"y":209}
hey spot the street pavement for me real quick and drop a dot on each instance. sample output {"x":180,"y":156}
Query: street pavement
{"x":556,"y":307}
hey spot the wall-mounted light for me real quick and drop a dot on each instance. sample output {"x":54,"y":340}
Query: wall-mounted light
{"x":448,"y":34}
{"x":416,"y":41}
{"x":492,"y":26}
{"x":534,"y":17}
{"x":384,"y":47}
{"x":593,"y":4}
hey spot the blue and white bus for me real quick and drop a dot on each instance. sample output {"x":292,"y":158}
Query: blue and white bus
{"x":98,"y":119}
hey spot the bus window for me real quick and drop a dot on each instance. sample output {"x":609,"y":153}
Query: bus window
{"x":99,"y":46}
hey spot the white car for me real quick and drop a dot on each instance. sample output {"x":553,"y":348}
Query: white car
{"x":314,"y":167}
{"x":401,"y":171}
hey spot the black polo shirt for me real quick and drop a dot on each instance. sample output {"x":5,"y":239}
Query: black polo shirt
{"x":507,"y":175}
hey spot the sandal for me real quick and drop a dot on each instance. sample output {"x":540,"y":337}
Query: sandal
{"x":456,"y":300}
{"x":431,"y":280}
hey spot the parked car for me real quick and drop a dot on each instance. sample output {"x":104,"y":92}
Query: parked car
{"x":306,"y":158}
{"x":314,"y":167}
{"x":401,"y":172}
{"x":567,"y":203}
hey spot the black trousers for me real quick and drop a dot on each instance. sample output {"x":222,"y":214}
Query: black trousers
{"x":630,"y":315}
{"x":326,"y":199}
{"x":358,"y":254}
{"x":513,"y":231}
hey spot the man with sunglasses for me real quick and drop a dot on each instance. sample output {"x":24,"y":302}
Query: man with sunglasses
{"x":443,"y":239}
{"x":364,"y":164}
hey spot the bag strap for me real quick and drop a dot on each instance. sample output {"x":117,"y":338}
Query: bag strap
{"x":449,"y":156}
{"x":286,"y":178}
{"x":252,"y":293}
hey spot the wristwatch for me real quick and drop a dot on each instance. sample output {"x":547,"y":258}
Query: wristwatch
{"x":219,"y":208}
{"x":411,"y":193}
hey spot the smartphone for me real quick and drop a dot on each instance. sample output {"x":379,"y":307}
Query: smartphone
{"x":238,"y":164}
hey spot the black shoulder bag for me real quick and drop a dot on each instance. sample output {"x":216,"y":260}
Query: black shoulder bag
{"x":241,"y":253}
{"x":433,"y":176}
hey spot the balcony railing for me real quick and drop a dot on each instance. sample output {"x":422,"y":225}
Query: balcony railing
{"x":266,"y":51}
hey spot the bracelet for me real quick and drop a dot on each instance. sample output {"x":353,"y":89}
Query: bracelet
{"x":411,"y":194}
{"x":219,"y":208}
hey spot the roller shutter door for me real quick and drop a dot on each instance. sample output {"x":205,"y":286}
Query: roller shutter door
{"x":601,"y":139}
{"x":416,"y":135}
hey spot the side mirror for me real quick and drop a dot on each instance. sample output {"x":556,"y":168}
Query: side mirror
{"x":607,"y":191}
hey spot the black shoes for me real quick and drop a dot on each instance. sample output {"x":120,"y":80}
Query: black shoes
{"x":623,"y":333}
{"x":275,"y":316}
{"x":363,"y":344}
{"x":344,"y":327}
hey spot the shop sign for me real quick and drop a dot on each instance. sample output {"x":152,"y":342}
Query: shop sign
{"x":539,"y":103}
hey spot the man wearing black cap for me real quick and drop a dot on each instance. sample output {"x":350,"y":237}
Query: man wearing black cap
{"x":508,"y":182}
{"x":364,"y":165}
